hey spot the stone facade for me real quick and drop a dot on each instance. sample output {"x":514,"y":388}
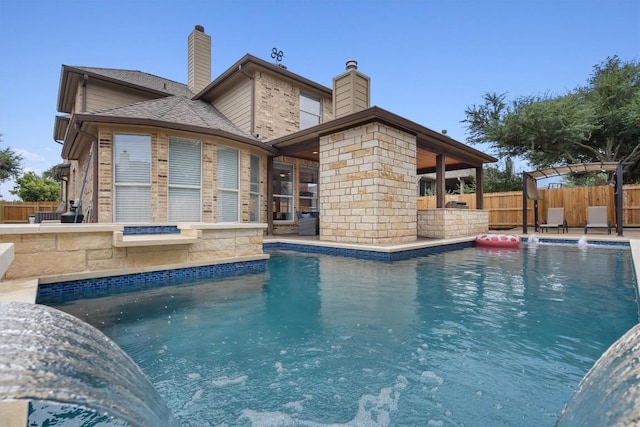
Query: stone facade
{"x":451,"y":223}
{"x":57,"y":252}
{"x":277,"y":106}
{"x":367,"y":186}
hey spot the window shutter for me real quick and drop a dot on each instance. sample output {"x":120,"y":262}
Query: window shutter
{"x":185,"y":178}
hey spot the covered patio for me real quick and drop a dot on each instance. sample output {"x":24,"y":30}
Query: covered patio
{"x":368,"y":163}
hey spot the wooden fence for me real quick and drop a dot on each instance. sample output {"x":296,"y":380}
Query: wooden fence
{"x":18,"y":212}
{"x":505,"y":209}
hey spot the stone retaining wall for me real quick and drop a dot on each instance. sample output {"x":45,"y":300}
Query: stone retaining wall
{"x":450,"y":223}
{"x":58,"y":252}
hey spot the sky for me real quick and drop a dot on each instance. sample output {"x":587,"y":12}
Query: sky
{"x":428,"y":60}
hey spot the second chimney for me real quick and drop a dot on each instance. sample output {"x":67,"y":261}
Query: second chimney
{"x":351,"y":91}
{"x":199,"y":60}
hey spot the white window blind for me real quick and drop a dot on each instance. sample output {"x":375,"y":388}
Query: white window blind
{"x":309,"y":110}
{"x":228,"y":184}
{"x":254,"y":189}
{"x":132,"y":178}
{"x":185,"y":180}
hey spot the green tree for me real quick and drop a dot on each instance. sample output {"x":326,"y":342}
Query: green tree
{"x":33,"y":188}
{"x":599,"y":122}
{"x":10,"y":164}
{"x":495,"y":180}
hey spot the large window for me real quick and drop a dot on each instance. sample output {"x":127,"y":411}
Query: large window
{"x":308,"y":190}
{"x":282,"y":192}
{"x":254,"y":189}
{"x":132,"y":178}
{"x":228,"y":184}
{"x":310,"y":110}
{"x":184,"y":180}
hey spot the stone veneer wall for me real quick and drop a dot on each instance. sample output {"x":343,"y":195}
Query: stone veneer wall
{"x":58,"y":251}
{"x":277,"y":106}
{"x":450,"y":223}
{"x":367,"y":186}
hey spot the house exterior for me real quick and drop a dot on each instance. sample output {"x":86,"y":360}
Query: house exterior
{"x":257,"y":144}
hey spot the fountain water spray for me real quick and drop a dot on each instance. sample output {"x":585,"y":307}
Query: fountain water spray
{"x":50,"y":356}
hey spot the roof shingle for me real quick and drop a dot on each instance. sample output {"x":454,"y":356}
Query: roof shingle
{"x":141,"y":79}
{"x":176,"y":109}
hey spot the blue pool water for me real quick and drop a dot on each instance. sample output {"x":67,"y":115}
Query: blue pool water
{"x":469,"y":337}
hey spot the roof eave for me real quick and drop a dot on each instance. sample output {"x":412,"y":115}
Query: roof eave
{"x":93,"y":118}
{"x":374,"y":114}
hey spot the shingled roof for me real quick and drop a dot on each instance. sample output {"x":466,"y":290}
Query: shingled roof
{"x":139,"y":78}
{"x":176,"y":109}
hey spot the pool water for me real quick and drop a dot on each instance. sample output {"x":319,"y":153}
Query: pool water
{"x":468,"y":337}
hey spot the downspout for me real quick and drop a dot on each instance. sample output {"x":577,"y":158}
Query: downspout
{"x":94,"y":159}
{"x":85,"y":80}
{"x":253,"y":98}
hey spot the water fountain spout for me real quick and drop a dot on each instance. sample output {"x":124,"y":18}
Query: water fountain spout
{"x":50,"y":356}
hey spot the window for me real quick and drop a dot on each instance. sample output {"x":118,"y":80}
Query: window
{"x":308,"y":190}
{"x":228,"y":184}
{"x":310,"y":112}
{"x":254,"y":189}
{"x":282,"y":192}
{"x":132,"y":178}
{"x":184,"y":180}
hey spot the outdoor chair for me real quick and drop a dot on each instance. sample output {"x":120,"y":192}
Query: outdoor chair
{"x":50,"y":216}
{"x":307,"y":224}
{"x":555,"y":219}
{"x":597,"y":218}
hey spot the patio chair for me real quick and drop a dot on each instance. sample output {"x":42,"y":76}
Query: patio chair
{"x":307,"y":224}
{"x":50,"y":216}
{"x":555,"y":219}
{"x":597,"y":218}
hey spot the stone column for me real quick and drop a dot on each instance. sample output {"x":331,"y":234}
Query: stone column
{"x":367,"y":186}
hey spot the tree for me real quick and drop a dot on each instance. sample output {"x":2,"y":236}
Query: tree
{"x":599,"y":122}
{"x":33,"y":188}
{"x":10,"y":164}
{"x":495,"y":180}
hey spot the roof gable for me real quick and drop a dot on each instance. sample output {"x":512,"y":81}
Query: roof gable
{"x":71,"y":76}
{"x":248,"y":61}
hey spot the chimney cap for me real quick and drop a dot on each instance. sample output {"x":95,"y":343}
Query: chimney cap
{"x":200,"y":28}
{"x":352,"y":64}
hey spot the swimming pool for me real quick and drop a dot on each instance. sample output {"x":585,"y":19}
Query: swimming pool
{"x":467,"y":337}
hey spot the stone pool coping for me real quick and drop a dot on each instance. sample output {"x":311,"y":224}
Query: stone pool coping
{"x":25,"y":290}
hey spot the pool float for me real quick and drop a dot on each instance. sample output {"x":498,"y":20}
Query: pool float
{"x":498,"y":240}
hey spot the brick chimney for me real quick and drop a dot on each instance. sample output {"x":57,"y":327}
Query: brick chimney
{"x":351,"y":91}
{"x":199,"y":59}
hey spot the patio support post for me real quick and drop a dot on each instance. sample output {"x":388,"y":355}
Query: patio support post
{"x":524,"y":202}
{"x":619,"y":201}
{"x":269,"y":195}
{"x":479,"y":192}
{"x":440,"y":181}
